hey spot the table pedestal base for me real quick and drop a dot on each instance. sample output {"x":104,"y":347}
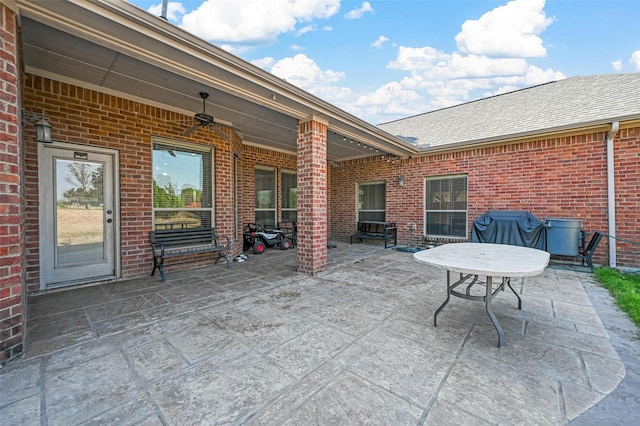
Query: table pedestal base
{"x":489,"y":295}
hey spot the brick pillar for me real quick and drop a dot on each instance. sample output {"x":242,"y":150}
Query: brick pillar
{"x":11,"y":194}
{"x":312,"y":197}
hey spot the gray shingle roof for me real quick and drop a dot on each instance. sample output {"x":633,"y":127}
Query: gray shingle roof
{"x":569,"y":103}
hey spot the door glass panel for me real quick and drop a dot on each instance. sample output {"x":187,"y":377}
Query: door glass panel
{"x":79,"y":213}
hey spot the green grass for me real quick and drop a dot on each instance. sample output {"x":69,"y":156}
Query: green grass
{"x":625,"y":288}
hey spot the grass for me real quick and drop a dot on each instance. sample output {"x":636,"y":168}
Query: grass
{"x":625,"y":288}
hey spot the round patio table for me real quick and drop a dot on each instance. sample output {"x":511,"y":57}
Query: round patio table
{"x":472,"y":260}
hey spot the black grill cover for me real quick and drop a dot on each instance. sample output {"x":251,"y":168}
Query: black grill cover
{"x":518,"y":228}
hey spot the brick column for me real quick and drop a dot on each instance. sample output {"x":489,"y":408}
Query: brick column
{"x":11,"y":193}
{"x":312,"y":197}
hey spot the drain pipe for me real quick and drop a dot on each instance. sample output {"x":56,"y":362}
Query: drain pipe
{"x":611,"y":193}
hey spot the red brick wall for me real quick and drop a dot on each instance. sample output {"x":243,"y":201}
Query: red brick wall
{"x":561,"y":177}
{"x":312,"y":197}
{"x":627,"y":164}
{"x":11,"y":194}
{"x":88,"y":117}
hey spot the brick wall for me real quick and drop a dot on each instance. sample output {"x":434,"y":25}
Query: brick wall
{"x":627,"y":164}
{"x":312,"y":197}
{"x":88,"y":117}
{"x":561,"y":177}
{"x":11,"y":194}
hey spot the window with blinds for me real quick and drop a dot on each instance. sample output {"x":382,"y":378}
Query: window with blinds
{"x":446,"y":206}
{"x":372,"y":201}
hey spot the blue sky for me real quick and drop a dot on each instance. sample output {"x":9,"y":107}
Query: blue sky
{"x":388,"y":59}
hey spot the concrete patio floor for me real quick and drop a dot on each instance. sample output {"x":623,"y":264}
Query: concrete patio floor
{"x":262,"y":344}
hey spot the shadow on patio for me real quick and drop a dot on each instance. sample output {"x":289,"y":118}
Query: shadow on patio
{"x":264,"y":344}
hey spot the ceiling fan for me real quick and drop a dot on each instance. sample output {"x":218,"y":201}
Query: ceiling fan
{"x":206,"y":120}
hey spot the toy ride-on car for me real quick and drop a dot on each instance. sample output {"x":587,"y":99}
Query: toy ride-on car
{"x":260,"y":237}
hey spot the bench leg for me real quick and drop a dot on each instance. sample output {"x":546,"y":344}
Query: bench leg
{"x":226,"y":257}
{"x":158,"y":263}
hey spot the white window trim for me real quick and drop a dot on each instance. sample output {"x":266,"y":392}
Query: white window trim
{"x":466,"y":211}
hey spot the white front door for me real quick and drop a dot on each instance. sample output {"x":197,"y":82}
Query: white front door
{"x":78,"y":216}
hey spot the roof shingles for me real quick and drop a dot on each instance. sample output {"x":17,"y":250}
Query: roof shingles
{"x":563,"y":104}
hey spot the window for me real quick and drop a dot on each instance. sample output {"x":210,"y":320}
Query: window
{"x":265,"y":210}
{"x":446,"y":206}
{"x":371,"y":201}
{"x":289,"y":196}
{"x":182,"y":185}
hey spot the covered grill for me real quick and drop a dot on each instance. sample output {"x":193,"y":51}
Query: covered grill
{"x":514,"y":227}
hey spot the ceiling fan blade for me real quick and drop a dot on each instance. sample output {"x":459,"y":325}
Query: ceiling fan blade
{"x":189,"y":131}
{"x":216,"y":129}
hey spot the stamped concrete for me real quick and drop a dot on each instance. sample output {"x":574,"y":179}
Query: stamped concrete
{"x":262,"y":344}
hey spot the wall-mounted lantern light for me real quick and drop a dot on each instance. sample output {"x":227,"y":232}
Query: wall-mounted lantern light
{"x":43,"y":128}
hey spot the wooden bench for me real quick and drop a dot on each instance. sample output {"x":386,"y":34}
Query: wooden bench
{"x":383,"y":231}
{"x":182,"y":242}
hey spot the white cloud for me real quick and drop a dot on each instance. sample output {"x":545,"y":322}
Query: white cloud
{"x":473,"y":66}
{"x":511,"y":30}
{"x":297,"y":47}
{"x":417,"y":58}
{"x":174,"y":10}
{"x":390,"y":99}
{"x":442,"y":80}
{"x":306,"y":29}
{"x":616,"y":65}
{"x":635,"y":60}
{"x":253,"y":21}
{"x":264,"y":63}
{"x":380,"y":41}
{"x":305,"y":73}
{"x":357,"y":13}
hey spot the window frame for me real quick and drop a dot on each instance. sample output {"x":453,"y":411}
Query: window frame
{"x":282,"y":194}
{"x":450,"y":211}
{"x":274,"y":196}
{"x":209,"y":153}
{"x":359,"y":210}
